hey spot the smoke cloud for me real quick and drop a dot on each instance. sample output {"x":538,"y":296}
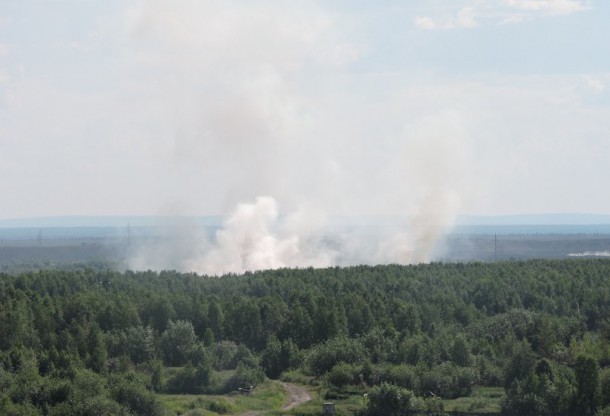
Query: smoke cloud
{"x":255,"y":116}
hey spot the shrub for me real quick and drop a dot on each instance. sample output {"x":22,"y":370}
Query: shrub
{"x":342,"y":374}
{"x":403,"y":376}
{"x":390,"y":400}
{"x":191,"y":379}
{"x":448,"y":381}
{"x":244,"y":377}
{"x":134,"y":396}
{"x":327,"y":355}
{"x":220,"y":407}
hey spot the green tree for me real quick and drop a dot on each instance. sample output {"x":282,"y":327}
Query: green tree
{"x":156,"y":378}
{"x":178,"y":342}
{"x":216,"y":317}
{"x":460,"y":352}
{"x":98,"y":357}
{"x":336,"y":350}
{"x":521,"y":363}
{"x":208,"y":337}
{"x":587,"y":385}
{"x":272,"y":357}
{"x":134,"y":396}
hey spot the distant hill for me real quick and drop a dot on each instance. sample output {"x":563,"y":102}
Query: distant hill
{"x":141,"y":226}
{"x":535,"y":219}
{"x":108,"y":221}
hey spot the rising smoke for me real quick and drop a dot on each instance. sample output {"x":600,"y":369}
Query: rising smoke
{"x":255,"y":107}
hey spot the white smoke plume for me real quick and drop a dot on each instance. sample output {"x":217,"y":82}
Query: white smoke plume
{"x":255,"y":238}
{"x":256,"y":118}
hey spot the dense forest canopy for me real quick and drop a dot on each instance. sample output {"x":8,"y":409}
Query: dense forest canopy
{"x":74,"y":341}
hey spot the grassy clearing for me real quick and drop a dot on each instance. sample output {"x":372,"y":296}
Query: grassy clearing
{"x":347,"y":402}
{"x":297,"y":377}
{"x":269,"y":396}
{"x":266,"y":397}
{"x":482,"y":400}
{"x":343,"y":407}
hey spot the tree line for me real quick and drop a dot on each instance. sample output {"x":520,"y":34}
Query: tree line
{"x":76,"y":340}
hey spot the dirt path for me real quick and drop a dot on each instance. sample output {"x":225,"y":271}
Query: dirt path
{"x":296,"y":395}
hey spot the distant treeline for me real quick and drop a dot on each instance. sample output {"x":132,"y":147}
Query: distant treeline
{"x":84,"y":342}
{"x":46,"y":252}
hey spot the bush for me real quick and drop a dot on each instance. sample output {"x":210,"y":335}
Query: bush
{"x":224,"y":354}
{"x":220,"y":407}
{"x":191,"y":380}
{"x":403,"y":376}
{"x":244,"y":377}
{"x":448,"y":381}
{"x":390,"y":400}
{"x":327,"y":355}
{"x":133,"y":395}
{"x":342,"y":374}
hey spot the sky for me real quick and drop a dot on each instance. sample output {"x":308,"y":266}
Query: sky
{"x":434,"y":108}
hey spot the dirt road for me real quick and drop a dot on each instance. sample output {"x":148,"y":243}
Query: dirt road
{"x":296,"y":395}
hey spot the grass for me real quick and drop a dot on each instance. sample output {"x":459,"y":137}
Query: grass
{"x":343,"y":407}
{"x":297,"y":377}
{"x":266,"y":397}
{"x":350,"y":400}
{"x":482,"y":400}
{"x":269,"y":396}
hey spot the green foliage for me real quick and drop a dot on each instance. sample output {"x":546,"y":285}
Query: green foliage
{"x":194,"y":380}
{"x":278,"y":357}
{"x":178,"y":342}
{"x":134,"y":396}
{"x":545,"y":391}
{"x":339,"y":349}
{"x":156,"y":378}
{"x":225,"y":355}
{"x":390,"y":400}
{"x":587,"y":385}
{"x":460,"y":352}
{"x":401,"y":375}
{"x":244,"y":377}
{"x":434,"y":328}
{"x":603,"y":412}
{"x":520,"y":365}
{"x":447,"y":381}
{"x":220,"y":407}
{"x":343,"y":374}
{"x":271,"y":357}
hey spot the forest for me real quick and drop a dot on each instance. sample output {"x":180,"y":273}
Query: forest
{"x":402,"y":339}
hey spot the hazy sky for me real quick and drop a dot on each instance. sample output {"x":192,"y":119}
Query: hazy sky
{"x":121,"y":107}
